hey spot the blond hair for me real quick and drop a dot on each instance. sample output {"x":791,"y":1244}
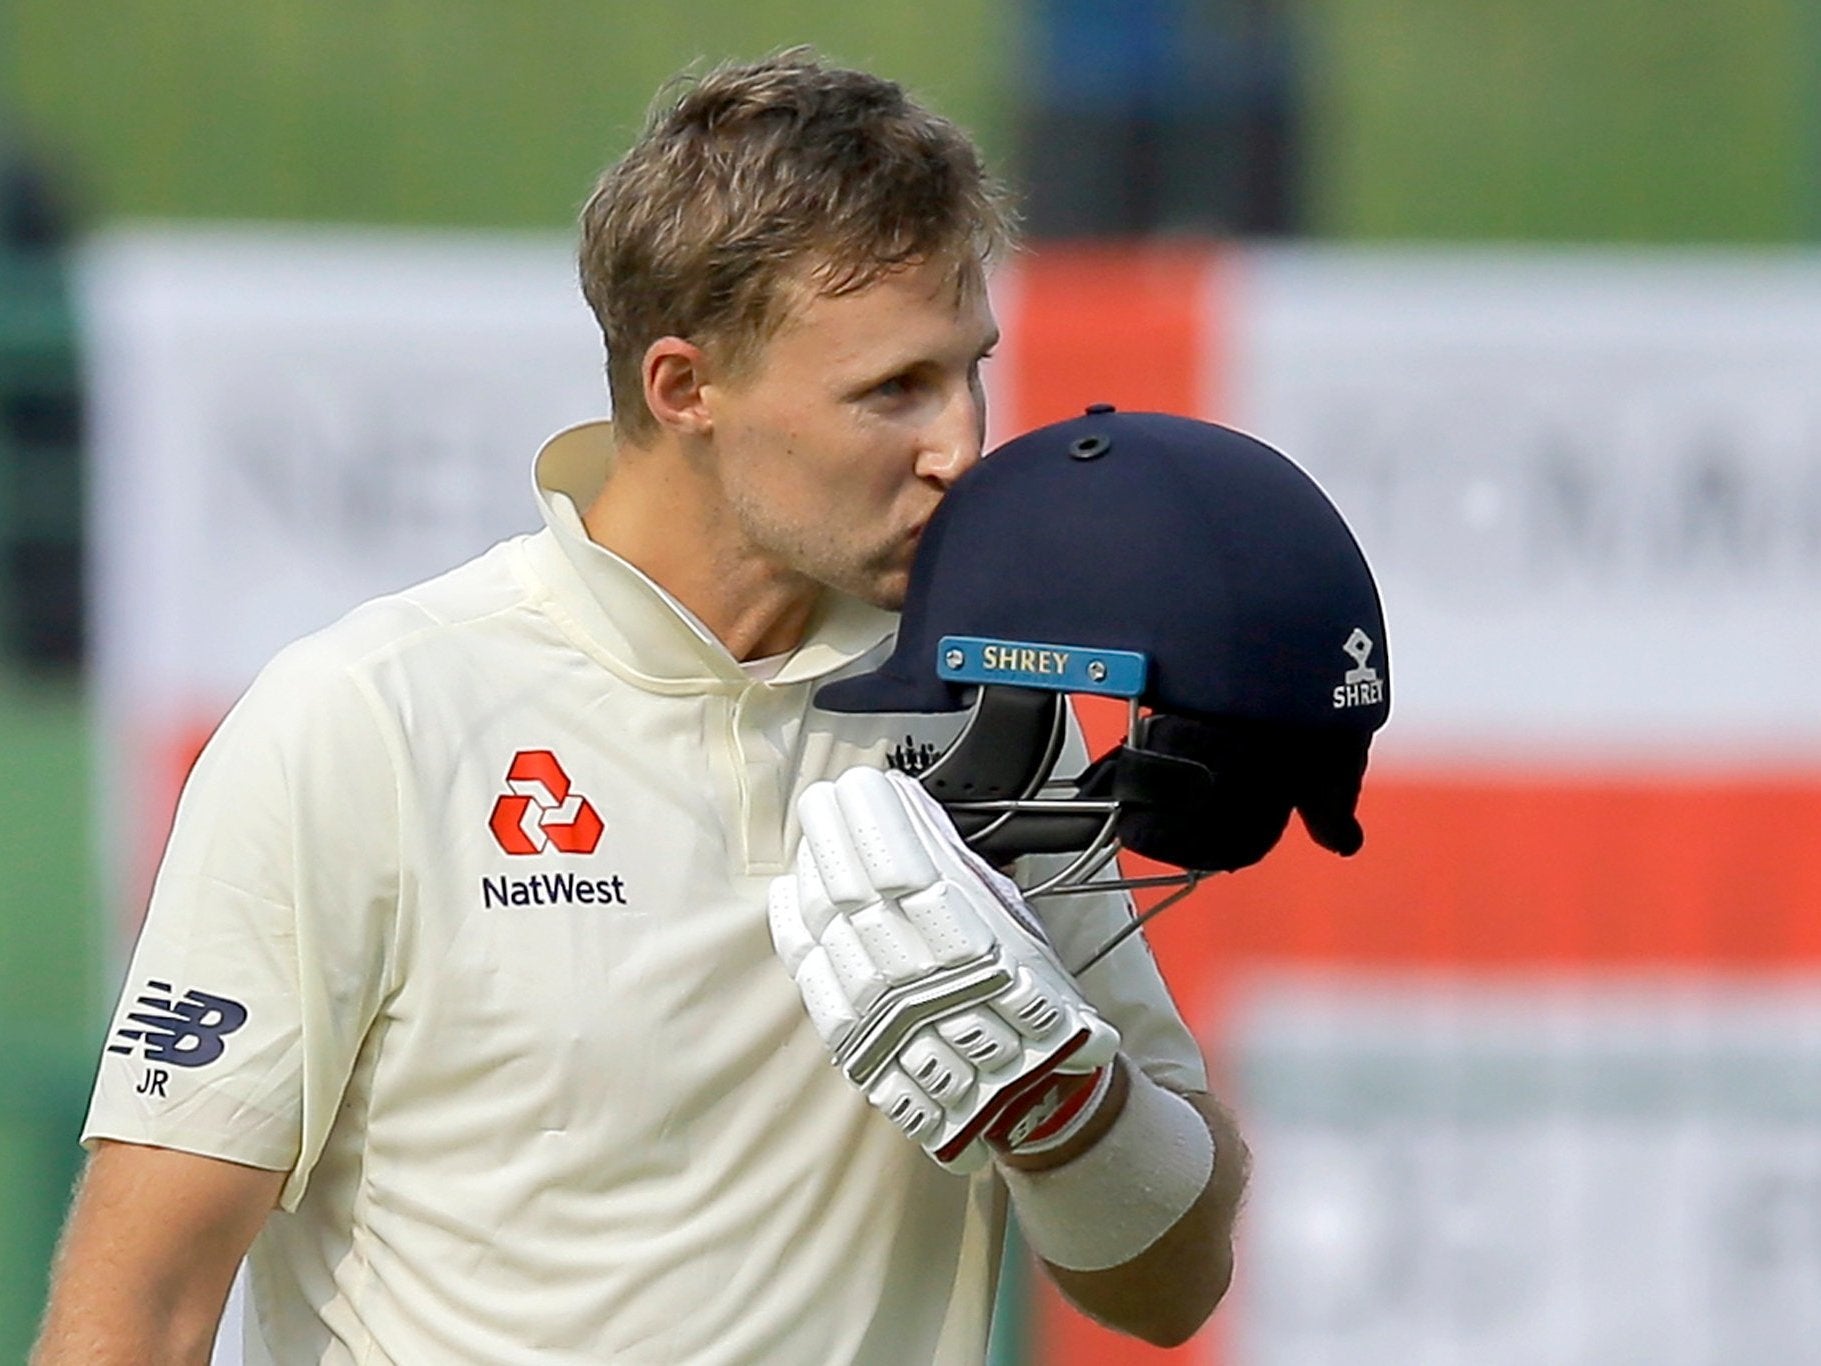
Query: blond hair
{"x":754,"y":177}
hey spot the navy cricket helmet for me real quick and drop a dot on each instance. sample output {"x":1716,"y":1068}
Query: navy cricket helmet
{"x":1183,"y":566}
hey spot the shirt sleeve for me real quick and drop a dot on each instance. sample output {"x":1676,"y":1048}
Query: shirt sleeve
{"x":1126,"y":985}
{"x":266,"y":948}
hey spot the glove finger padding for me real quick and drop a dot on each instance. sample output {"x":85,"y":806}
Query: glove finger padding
{"x":789,"y":935}
{"x":923,"y":970}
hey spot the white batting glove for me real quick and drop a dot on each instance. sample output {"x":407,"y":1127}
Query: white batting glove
{"x":924,"y":971}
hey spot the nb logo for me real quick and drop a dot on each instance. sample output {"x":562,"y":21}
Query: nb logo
{"x":539,"y":811}
{"x":186,"y":1032}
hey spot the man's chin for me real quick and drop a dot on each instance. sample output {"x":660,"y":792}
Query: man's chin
{"x":882,"y":581}
{"x":884,"y":588}
{"x":889,"y":593}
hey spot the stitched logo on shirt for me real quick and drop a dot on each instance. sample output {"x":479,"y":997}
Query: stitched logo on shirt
{"x":540,"y":811}
{"x":183,"y":1032}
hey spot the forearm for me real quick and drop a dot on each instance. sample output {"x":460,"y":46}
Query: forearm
{"x":148,"y":1256}
{"x":1166,"y":1288}
{"x":102,"y":1323}
{"x":111,"y":1308}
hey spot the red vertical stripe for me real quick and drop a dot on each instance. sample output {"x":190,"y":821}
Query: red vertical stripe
{"x":1126,"y":324}
{"x":161,"y":758}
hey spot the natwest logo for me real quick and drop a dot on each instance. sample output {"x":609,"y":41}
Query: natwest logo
{"x":539,"y":811}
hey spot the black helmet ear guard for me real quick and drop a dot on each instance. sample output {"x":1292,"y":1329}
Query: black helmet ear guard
{"x":1213,"y":795}
{"x":1181,"y":566}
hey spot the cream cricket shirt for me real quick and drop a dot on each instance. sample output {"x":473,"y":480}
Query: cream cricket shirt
{"x":462,"y":925}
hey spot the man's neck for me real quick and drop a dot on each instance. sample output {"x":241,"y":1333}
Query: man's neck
{"x":657,"y":512}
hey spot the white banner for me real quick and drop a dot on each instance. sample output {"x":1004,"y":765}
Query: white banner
{"x":1589,"y":483}
{"x":285,"y":423}
{"x":1506,"y":1174}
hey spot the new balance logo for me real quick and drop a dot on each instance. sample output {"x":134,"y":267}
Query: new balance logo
{"x":539,"y":811}
{"x":1360,"y":686}
{"x":186,"y":1032}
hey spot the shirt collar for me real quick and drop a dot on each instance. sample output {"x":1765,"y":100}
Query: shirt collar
{"x":636,"y":623}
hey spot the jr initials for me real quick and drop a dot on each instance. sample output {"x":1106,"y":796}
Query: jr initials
{"x":153,"y":1085}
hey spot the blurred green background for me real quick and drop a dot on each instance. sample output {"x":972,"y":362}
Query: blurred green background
{"x":1541,"y":120}
{"x":1604,"y":120}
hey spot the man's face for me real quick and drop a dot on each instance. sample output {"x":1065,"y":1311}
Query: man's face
{"x":834,"y":446}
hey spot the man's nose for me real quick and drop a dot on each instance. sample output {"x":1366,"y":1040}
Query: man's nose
{"x":952,"y":446}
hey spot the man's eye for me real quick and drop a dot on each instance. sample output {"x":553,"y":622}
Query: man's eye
{"x":895,"y":387}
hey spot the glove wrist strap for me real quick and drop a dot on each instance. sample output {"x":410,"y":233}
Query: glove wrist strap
{"x":1054,"y":1117}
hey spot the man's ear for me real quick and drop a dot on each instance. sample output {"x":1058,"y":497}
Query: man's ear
{"x":675,"y":374}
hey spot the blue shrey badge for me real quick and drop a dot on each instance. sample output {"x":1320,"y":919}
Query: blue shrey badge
{"x":1029,"y":664}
